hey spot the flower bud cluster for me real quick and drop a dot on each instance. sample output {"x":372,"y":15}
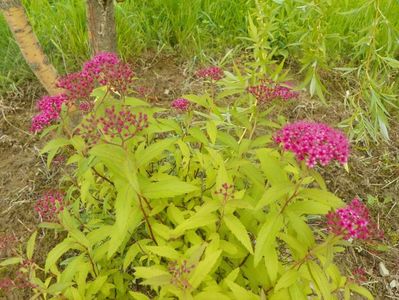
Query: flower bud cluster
{"x":180,"y":273}
{"x":353,"y":222}
{"x":122,"y":124}
{"x":269,"y":90}
{"x":213,"y":73}
{"x":7,"y":241}
{"x":314,"y":142}
{"x":108,"y":70}
{"x":78,"y":86}
{"x":181,"y":104}
{"x":226,"y":191}
{"x":50,"y":205}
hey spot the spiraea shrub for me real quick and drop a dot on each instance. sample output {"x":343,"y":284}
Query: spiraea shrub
{"x":206,"y":199}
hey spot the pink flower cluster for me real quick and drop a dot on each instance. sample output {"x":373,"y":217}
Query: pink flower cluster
{"x":50,"y":109}
{"x":108,"y":70}
{"x":49,"y":205}
{"x":103,"y":69}
{"x":214,"y":73}
{"x":122,"y":124}
{"x":181,"y":104}
{"x":226,"y":191}
{"x":314,"y":142}
{"x":353,"y":221}
{"x":269,"y":90}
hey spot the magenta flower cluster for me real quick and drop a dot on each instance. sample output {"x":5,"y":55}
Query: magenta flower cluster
{"x":269,"y":90}
{"x":214,"y":73}
{"x":103,"y":69}
{"x":181,"y":104}
{"x":353,"y":221}
{"x":122,"y":124}
{"x":108,"y":70}
{"x":50,"y":109}
{"x":314,"y":142}
{"x":77,"y":86}
{"x":50,"y":205}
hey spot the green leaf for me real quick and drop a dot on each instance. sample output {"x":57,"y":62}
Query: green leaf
{"x":272,"y":167}
{"x":320,"y":280}
{"x":198,"y":135}
{"x":58,"y":251}
{"x":361,"y":291}
{"x":164,"y":251}
{"x":52,"y":148}
{"x":144,"y":156}
{"x":132,"y":101}
{"x":11,"y":261}
{"x":212,"y":131}
{"x":149,"y":272}
{"x":138,"y":296}
{"x":30,"y":246}
{"x":126,"y":213}
{"x":273,"y":194}
{"x":167,"y":188}
{"x":322,"y":196}
{"x":58,"y":287}
{"x":239,"y":231}
{"x":267,"y":235}
{"x":288,"y":278}
{"x":241,"y":293}
{"x":211,"y":295}
{"x":203,"y":268}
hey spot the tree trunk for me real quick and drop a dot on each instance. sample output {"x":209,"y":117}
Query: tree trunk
{"x":101,"y":25}
{"x":28,"y":43}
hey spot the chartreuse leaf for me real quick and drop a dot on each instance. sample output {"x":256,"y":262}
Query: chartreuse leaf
{"x":322,"y":196}
{"x":241,"y":293}
{"x":58,"y":251}
{"x":95,"y":286}
{"x":11,"y":261}
{"x":149,"y":272}
{"x":275,"y":193}
{"x":144,"y":156}
{"x":126,"y":212}
{"x":210,"y":295}
{"x":164,"y":251}
{"x":138,"y":296}
{"x":239,"y":231}
{"x":319,"y":278}
{"x":361,"y":291}
{"x":202,"y":218}
{"x":267,"y":234}
{"x":203,"y":268}
{"x":30,"y":246}
{"x":296,"y":292}
{"x":52,"y":148}
{"x":58,"y":287}
{"x":272,"y":167}
{"x":167,"y":188}
{"x":132,"y":101}
{"x":212,"y":131}
{"x":287,"y":279}
{"x":271,"y":261}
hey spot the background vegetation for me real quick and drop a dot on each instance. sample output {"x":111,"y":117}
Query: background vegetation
{"x":354,"y":41}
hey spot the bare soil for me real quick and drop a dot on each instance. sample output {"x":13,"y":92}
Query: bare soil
{"x":374,"y":170}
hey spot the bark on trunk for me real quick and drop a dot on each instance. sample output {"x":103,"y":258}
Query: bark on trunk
{"x":17,"y":20}
{"x":101,"y":25}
